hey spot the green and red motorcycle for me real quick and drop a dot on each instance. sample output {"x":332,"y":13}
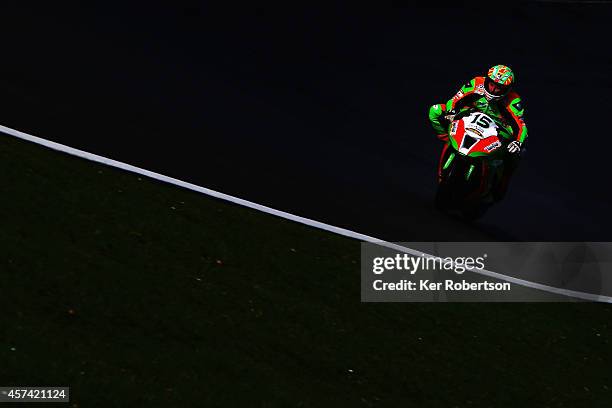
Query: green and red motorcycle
{"x":471,"y":164}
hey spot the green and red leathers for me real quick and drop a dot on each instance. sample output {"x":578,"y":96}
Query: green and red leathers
{"x":508,"y":110}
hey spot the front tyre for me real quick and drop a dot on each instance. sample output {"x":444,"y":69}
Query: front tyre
{"x":443,"y":197}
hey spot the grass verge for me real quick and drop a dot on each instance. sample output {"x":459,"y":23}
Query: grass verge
{"x":137,"y":293}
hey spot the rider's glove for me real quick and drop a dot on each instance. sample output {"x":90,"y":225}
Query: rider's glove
{"x":450,"y":115}
{"x":514,"y":147}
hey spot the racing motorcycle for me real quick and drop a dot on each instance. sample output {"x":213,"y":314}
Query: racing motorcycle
{"x":471,"y":164}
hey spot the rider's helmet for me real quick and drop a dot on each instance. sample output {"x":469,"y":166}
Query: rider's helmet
{"x":498,"y":82}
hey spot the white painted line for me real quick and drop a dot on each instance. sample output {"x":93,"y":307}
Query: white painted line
{"x":306,"y":221}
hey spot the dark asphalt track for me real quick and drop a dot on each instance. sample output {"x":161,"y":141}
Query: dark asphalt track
{"x":323,"y":113}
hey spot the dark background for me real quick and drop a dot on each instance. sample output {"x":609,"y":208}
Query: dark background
{"x":322,"y":112}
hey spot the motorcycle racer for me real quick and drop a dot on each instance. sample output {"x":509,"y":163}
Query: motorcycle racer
{"x":493,"y":95}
